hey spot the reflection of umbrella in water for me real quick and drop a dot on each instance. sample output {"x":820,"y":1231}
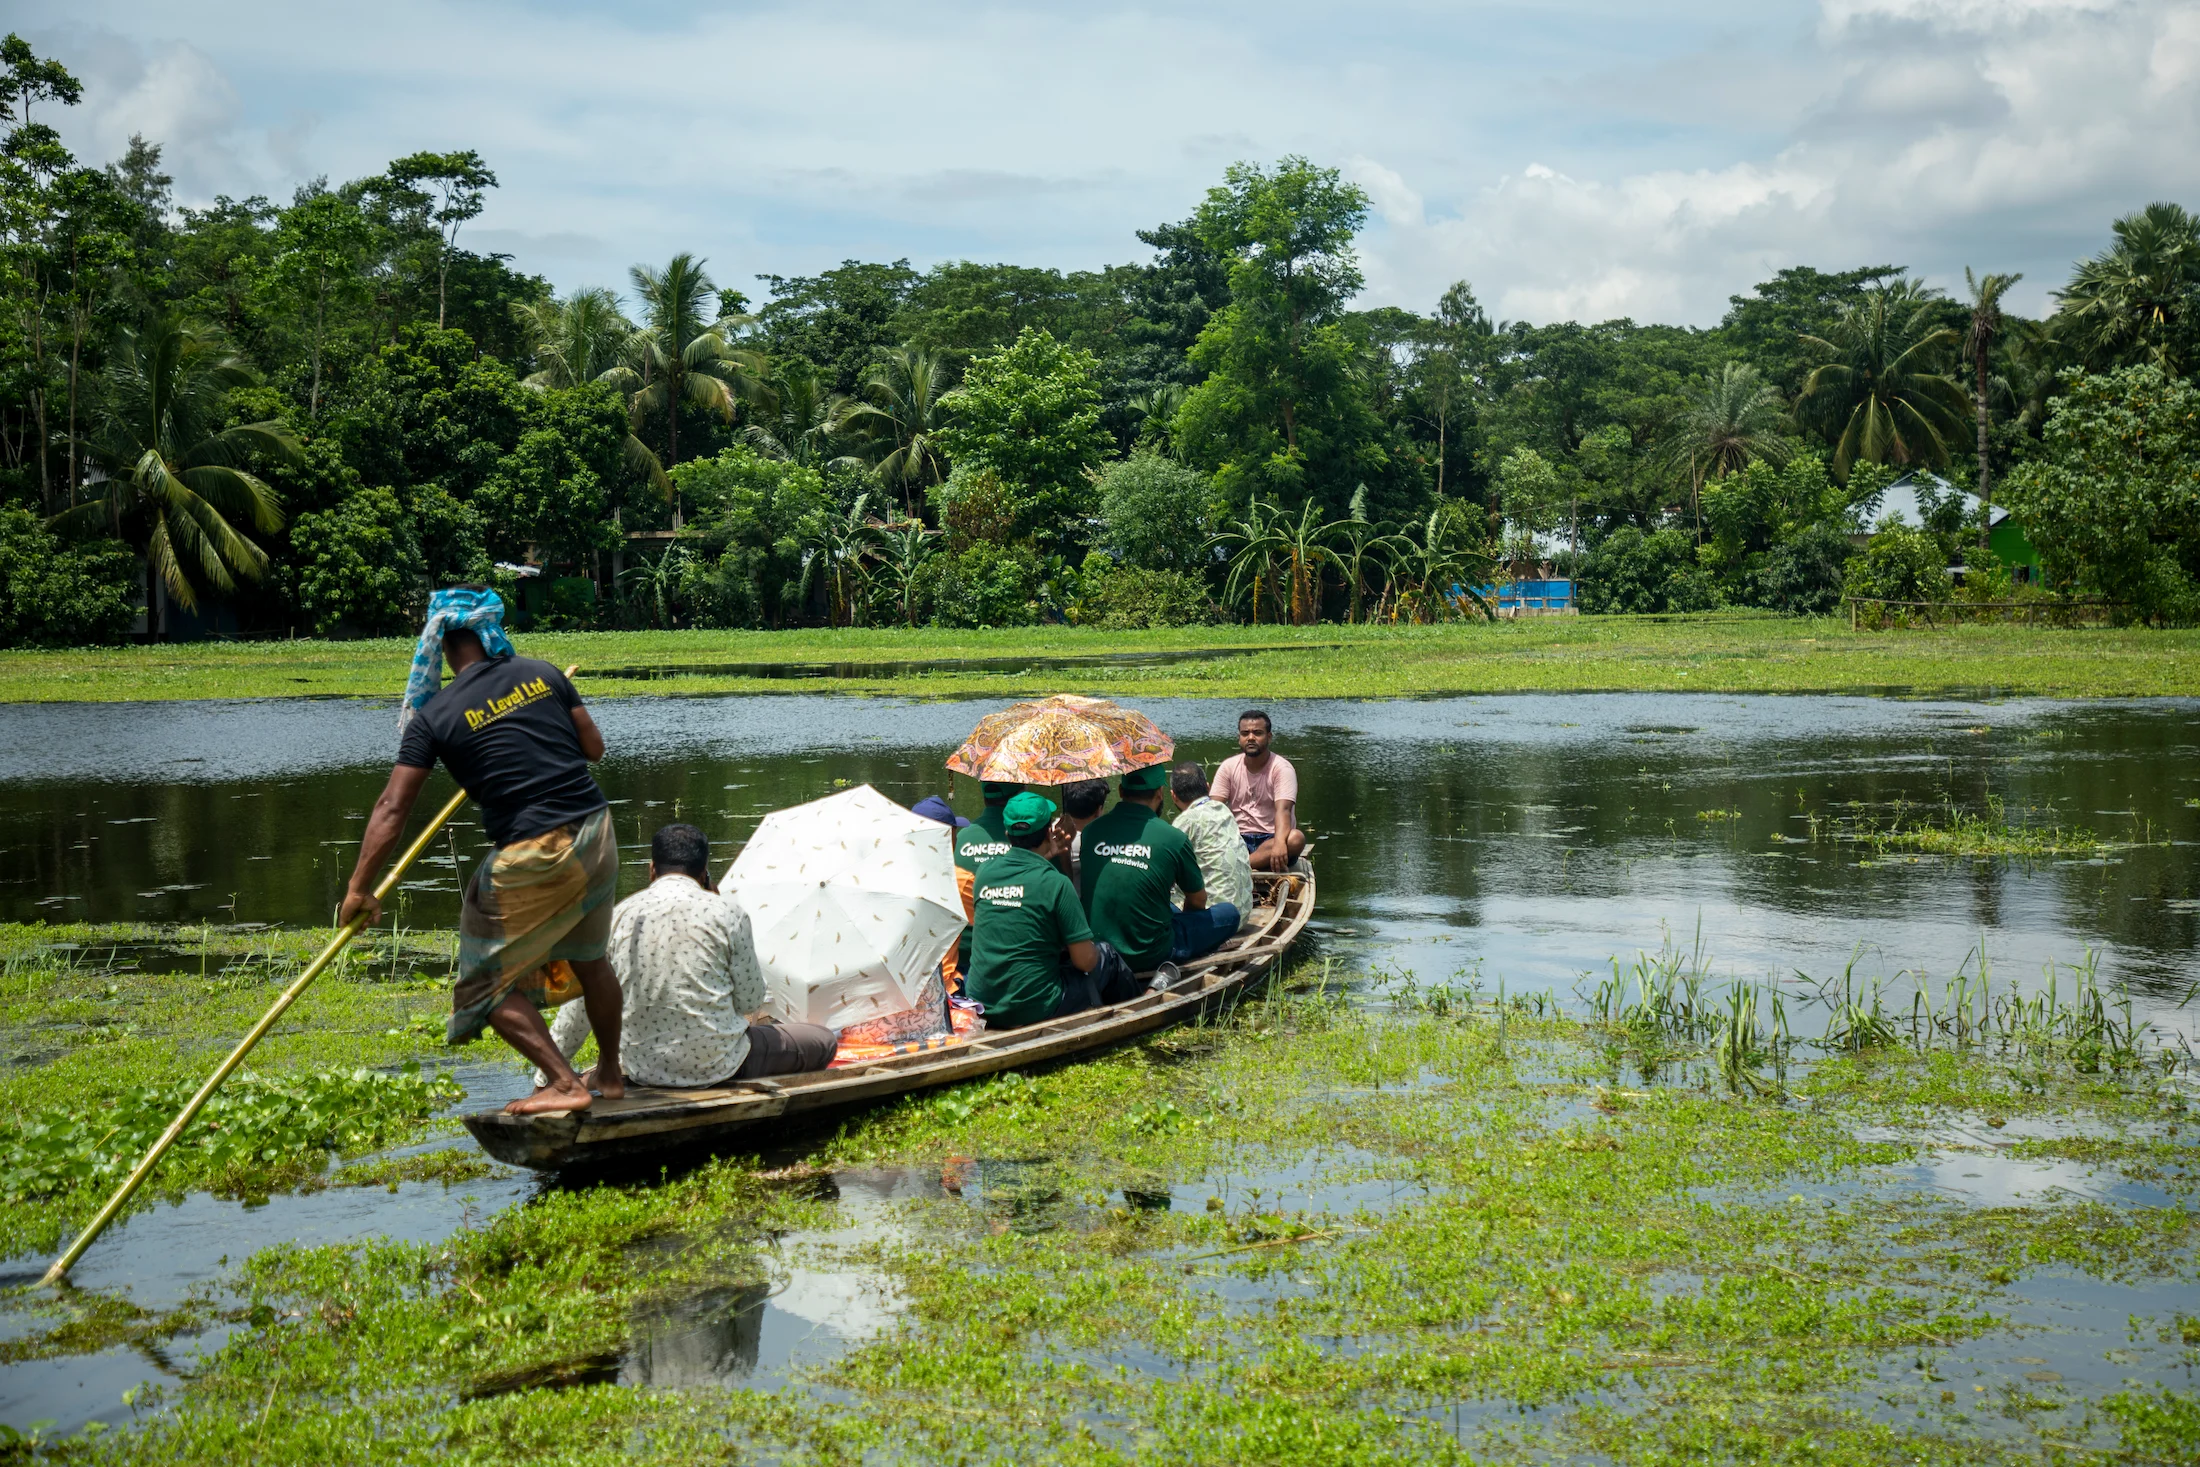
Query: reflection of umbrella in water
{"x":1060,"y":739}
{"x":851,"y":901}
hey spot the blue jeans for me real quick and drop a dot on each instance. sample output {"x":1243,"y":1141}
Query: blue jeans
{"x":1200,"y":933}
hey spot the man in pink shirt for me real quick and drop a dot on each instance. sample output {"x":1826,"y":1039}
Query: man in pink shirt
{"x":1262,"y":790}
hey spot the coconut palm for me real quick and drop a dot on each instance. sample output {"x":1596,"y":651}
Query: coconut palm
{"x":1879,"y":392}
{"x":1978,"y":346}
{"x":583,"y":339}
{"x":2125,"y":304}
{"x":794,"y":418}
{"x":684,"y":356}
{"x":895,"y":417}
{"x":1737,"y":417}
{"x":175,"y":480}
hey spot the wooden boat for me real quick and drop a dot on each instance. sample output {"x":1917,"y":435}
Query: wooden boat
{"x":649,"y":1119}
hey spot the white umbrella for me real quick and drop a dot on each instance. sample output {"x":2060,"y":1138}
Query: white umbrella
{"x":852,"y":902}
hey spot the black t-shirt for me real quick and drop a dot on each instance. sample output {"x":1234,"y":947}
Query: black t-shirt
{"x":504,"y":728}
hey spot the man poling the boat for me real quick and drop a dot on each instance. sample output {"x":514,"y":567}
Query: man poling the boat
{"x":537,"y":912}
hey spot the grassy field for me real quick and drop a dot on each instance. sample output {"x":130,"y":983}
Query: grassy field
{"x":1726,"y":653}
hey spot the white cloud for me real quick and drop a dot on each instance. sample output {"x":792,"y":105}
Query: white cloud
{"x":1581,"y":158}
{"x":2009,"y":141}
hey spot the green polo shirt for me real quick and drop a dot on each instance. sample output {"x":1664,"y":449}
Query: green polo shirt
{"x":975,"y":844}
{"x":1129,"y":861}
{"x":981,"y":840}
{"x":1028,"y":916}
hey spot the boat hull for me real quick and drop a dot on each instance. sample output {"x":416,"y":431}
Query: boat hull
{"x":648,"y":1121}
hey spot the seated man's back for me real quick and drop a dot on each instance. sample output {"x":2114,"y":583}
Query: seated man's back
{"x":691,"y":983}
{"x":1028,"y":916}
{"x":1213,"y":831}
{"x":1132,"y":860}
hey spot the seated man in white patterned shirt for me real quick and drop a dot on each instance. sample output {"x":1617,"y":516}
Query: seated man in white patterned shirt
{"x":693,"y":993}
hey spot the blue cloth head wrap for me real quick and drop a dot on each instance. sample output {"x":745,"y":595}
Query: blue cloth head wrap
{"x":479,"y":612}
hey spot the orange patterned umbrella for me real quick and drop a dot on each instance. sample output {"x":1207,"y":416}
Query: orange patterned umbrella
{"x":1060,"y":739}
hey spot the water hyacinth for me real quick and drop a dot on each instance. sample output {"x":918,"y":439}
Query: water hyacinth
{"x":255,"y":1124}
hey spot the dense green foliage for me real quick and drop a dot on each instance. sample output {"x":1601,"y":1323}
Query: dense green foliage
{"x":264,"y":417}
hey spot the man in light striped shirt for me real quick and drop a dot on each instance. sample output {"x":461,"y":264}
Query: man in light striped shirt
{"x":694,"y":996}
{"x":1213,"y":831}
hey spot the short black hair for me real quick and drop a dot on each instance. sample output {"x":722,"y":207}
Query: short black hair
{"x":1084,"y":798}
{"x":1261,"y":714}
{"x":1030,"y":840}
{"x":1188,"y":781}
{"x":681,"y":847}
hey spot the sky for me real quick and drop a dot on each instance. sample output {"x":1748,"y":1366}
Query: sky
{"x":1572,"y":159}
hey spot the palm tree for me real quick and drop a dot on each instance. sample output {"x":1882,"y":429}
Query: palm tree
{"x":174,"y":482}
{"x":1738,"y":417}
{"x":584,"y":339}
{"x":2125,"y":303}
{"x":1441,"y":566}
{"x":896,"y":417}
{"x":651,"y":585}
{"x":1157,"y":414}
{"x":834,"y":547}
{"x":795,"y":417}
{"x":1363,"y":547}
{"x":1978,"y":346}
{"x":683,"y":356}
{"x":1878,"y":391}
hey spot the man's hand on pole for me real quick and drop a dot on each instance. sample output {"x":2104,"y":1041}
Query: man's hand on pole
{"x":385,"y":827}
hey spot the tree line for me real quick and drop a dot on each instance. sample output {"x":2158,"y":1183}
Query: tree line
{"x":271,"y":419}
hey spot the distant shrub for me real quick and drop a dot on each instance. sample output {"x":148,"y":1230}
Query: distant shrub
{"x":1154,"y":513}
{"x":58,"y":595}
{"x":1804,"y":576}
{"x":1127,"y":597}
{"x":1633,"y":572}
{"x":986,"y":585}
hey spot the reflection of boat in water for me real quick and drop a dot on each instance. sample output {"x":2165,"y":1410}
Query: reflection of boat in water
{"x":649,"y":1119}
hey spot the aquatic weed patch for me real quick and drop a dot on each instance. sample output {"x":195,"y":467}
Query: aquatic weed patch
{"x":257,"y":1134}
{"x":1444,"y":1228}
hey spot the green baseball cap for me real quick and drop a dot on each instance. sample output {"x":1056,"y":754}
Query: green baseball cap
{"x":998,"y":791}
{"x":1026,"y":813}
{"x":1145,"y":781}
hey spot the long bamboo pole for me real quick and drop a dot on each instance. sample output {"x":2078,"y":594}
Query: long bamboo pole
{"x":184,"y":1117}
{"x":336,"y":944}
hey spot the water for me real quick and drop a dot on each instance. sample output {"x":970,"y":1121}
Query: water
{"x":1523,"y":837}
{"x":1534,"y":835}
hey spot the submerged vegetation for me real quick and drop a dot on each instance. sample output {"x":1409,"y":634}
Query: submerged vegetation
{"x":1357,"y":1218}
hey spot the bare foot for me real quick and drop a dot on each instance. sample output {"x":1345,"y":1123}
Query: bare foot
{"x":592,"y":1079}
{"x":552,"y":1100}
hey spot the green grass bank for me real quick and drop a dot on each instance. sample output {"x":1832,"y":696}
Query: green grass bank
{"x":1712,"y":653}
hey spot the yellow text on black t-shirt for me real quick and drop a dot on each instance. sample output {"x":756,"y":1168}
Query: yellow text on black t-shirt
{"x":496,"y":708}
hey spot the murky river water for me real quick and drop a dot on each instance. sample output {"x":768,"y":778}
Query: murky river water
{"x":1532,"y":836}
{"x":1538,"y":835}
